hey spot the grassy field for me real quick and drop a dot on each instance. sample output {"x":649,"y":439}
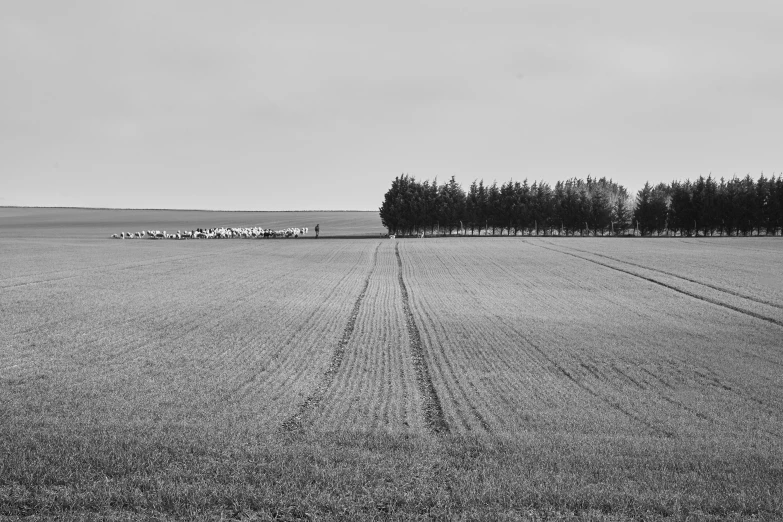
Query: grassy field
{"x":95,"y":223}
{"x":459,"y":378}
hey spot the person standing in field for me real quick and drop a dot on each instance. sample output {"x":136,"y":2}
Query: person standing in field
{"x":317,"y":229}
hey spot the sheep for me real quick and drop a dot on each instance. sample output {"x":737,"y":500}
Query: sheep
{"x":254,"y":232}
{"x":392,"y":236}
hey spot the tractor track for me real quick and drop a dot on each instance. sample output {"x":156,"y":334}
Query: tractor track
{"x":714,"y":287}
{"x":297,"y":420}
{"x":615,"y":405}
{"x":243,"y":389}
{"x":433,"y":410}
{"x":671,"y":287}
{"x":716,"y":241}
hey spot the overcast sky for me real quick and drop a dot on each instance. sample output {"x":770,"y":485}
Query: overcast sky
{"x":264,"y":105}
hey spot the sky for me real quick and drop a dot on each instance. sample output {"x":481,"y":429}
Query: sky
{"x":307,"y":105}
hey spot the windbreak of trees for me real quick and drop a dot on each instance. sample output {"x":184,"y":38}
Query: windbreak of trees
{"x":740,"y":206}
{"x":591,"y":206}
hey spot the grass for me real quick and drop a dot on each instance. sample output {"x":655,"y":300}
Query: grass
{"x":539,"y":339}
{"x":195,"y":474}
{"x":576,"y":379}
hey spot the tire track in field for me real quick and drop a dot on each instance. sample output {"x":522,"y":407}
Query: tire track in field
{"x":616,"y":405}
{"x":717,"y":242}
{"x":433,"y":410}
{"x":718,"y":288}
{"x":604,"y":399}
{"x":712,"y":380}
{"x":295,"y":422}
{"x":670,"y":287}
{"x":244,"y":388}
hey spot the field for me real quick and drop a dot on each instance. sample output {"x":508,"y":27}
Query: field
{"x":96,"y":223}
{"x":365,"y":378}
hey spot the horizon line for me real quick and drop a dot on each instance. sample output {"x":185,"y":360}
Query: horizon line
{"x":176,"y":209}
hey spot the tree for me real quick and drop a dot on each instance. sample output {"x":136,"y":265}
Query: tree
{"x":775,"y":205}
{"x":737,"y":206}
{"x":416,"y":204}
{"x":473,"y":208}
{"x":600,"y":207}
{"x":660,"y":205}
{"x":483,"y":208}
{"x":749,"y":205}
{"x":682,"y":216}
{"x":709,"y":217}
{"x":570,"y":206}
{"x":779,"y":203}
{"x":644,"y":213}
{"x":542,"y":206}
{"x":621,"y":211}
{"x":392,"y":215}
{"x":493,"y":207}
{"x":762,"y":202}
{"x":432,"y":204}
{"x":451,"y":207}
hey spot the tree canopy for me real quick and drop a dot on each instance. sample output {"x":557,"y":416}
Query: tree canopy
{"x":739,"y":206}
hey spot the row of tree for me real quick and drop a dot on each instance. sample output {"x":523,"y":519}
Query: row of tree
{"x":739,"y":206}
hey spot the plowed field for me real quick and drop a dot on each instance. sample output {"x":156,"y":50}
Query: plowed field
{"x":368,"y":378}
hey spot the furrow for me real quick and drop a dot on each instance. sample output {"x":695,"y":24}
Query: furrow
{"x":472,"y":397}
{"x":296,"y":422}
{"x":433,"y":410}
{"x":448,"y":379}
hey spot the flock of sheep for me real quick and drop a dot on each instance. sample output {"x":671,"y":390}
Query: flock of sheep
{"x":215,"y":233}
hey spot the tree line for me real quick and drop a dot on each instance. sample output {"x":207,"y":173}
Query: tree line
{"x":706,"y":206}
